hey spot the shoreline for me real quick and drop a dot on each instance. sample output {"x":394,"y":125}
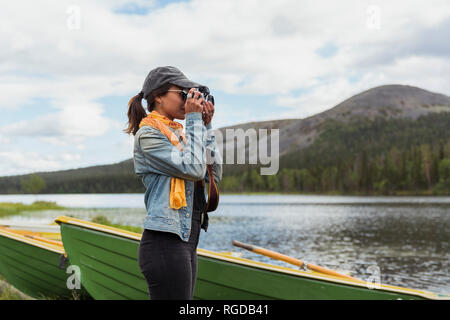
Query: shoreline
{"x":14,"y":208}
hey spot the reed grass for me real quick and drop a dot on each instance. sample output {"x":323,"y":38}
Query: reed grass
{"x":8,"y":292}
{"x":13,"y":208}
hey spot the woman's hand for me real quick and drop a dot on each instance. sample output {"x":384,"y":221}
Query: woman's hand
{"x":208,"y":112}
{"x":194,"y":104}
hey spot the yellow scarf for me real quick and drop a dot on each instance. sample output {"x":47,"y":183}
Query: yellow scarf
{"x":160,"y":122}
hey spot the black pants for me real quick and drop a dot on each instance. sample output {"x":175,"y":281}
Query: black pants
{"x":168,"y":263}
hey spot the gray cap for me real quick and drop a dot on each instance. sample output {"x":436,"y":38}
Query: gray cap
{"x":163,"y":75}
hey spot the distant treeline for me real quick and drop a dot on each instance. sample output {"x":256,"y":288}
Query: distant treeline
{"x":381,"y":156}
{"x":414,"y":171}
{"x":115,"y":178}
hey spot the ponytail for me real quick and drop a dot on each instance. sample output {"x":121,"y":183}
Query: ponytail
{"x":136,"y":113}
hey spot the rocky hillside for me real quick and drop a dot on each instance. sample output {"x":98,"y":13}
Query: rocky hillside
{"x":385,"y":102}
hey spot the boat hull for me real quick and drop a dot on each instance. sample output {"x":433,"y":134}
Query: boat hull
{"x":107,"y":258}
{"x":108,"y":264}
{"x":35,"y":268}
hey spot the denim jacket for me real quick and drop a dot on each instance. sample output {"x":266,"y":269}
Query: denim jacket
{"x":156,"y":160}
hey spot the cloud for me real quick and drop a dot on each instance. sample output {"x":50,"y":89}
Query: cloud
{"x":151,"y":36}
{"x":270,"y":46}
{"x":416,"y":40}
{"x":74,"y":123}
{"x":323,"y":97}
{"x":20,"y":162}
{"x":419,"y":71}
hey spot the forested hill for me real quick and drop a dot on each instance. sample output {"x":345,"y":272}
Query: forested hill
{"x":392,"y":139}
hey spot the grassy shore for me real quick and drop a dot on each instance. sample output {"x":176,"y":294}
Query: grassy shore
{"x":12,"y":208}
{"x":8,"y":292}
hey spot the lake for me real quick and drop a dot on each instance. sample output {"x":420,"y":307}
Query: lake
{"x":406,"y":238}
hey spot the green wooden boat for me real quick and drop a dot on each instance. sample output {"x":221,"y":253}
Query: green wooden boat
{"x":35,"y":264}
{"x":107,"y":258}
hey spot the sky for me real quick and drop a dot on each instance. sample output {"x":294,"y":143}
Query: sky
{"x":69,"y":68}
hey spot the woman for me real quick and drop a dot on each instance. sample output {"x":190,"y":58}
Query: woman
{"x":172,"y":166}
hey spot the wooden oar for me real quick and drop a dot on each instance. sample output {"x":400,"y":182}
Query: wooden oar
{"x":57,"y":243}
{"x":288,"y":259}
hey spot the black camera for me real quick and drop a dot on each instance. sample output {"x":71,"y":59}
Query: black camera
{"x":205,"y":94}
